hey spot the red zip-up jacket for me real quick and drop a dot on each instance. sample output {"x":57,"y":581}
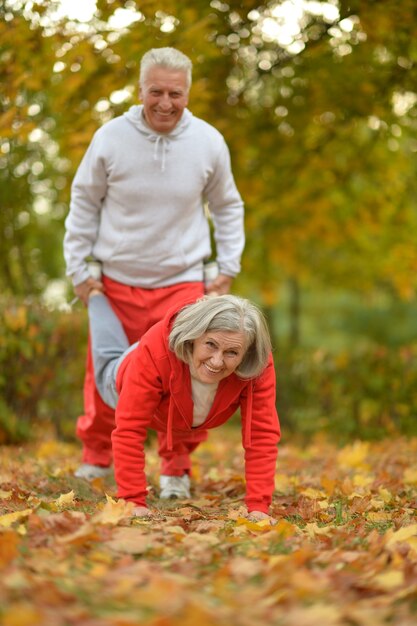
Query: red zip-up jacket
{"x":154,"y":389}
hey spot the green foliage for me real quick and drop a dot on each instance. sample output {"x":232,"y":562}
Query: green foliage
{"x":41,"y":369}
{"x":323,"y":139}
{"x":322,"y":130}
{"x":367,"y":393}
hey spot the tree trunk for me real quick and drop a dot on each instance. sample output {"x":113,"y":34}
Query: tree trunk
{"x":294,"y":312}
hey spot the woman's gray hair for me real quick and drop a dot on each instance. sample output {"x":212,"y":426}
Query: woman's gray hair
{"x":170,"y":58}
{"x":225,"y":313}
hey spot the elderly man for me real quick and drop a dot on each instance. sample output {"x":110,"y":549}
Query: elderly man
{"x":138,"y":207}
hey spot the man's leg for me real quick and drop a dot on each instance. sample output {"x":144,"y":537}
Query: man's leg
{"x":109,"y":346}
{"x":137,"y":309}
{"x":95,"y":426}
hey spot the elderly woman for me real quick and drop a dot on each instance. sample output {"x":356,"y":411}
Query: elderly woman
{"x":189,"y":373}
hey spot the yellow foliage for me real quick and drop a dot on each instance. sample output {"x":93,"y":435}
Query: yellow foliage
{"x":401,"y":535}
{"x":10,"y":518}
{"x":354,"y":455}
{"x":65,"y":500}
{"x":15,"y":318}
{"x":113,"y":511}
{"x":22,"y":614}
{"x":410,"y":475}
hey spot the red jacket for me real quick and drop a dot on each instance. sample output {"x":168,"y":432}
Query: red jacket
{"x":155,"y":392}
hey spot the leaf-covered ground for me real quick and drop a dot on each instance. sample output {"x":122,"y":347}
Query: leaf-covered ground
{"x":344,"y":550}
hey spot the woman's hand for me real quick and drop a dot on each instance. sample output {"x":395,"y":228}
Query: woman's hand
{"x":259,"y":516}
{"x":142,"y":511}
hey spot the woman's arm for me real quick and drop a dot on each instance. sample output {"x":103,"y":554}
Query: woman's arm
{"x":261,"y":452}
{"x":140,"y":395}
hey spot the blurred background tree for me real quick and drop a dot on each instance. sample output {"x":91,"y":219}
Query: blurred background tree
{"x":318,"y":103}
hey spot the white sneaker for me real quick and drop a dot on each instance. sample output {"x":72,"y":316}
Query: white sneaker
{"x":174,"y":486}
{"x":89,"y":472}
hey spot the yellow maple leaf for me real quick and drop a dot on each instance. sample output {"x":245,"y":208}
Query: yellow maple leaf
{"x":283,"y":484}
{"x":356,"y":494}
{"x":113,"y":511}
{"x":313,"y":530}
{"x":389,"y":580}
{"x":65,"y":499}
{"x":385,"y":495}
{"x":10,"y":518}
{"x":313,"y":494}
{"x":378,"y":516}
{"x":362,"y":480}
{"x":377,"y":504}
{"x":260,"y":526}
{"x":354,"y":455}
{"x":403,"y":534}
{"x":410,"y":476}
{"x":48,"y":449}
{"x":285,"y":528}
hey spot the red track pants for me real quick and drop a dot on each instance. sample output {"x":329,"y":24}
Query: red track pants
{"x":138,"y":309}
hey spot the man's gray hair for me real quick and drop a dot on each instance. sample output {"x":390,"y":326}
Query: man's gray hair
{"x":225,"y":313}
{"x":170,"y":58}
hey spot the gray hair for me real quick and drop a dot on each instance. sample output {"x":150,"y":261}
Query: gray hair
{"x":225,"y":313}
{"x":170,"y":58}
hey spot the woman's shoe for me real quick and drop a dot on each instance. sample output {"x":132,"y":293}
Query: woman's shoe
{"x":174,"y":487}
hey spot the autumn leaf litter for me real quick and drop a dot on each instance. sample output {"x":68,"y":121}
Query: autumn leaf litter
{"x":343,"y":551}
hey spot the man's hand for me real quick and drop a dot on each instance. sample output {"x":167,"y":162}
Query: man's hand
{"x":219,"y":286}
{"x":142,"y":511}
{"x":83,"y":289}
{"x":258,"y":516}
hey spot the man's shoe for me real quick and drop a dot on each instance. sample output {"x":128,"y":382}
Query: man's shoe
{"x":89,"y":472}
{"x":174,"y":486}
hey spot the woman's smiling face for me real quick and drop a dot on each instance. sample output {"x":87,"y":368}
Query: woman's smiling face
{"x":217,"y":354}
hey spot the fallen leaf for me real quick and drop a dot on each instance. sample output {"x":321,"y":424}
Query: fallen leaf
{"x":378,"y":517}
{"x":9,"y":542}
{"x":64,"y":500}
{"x":129,"y":540}
{"x":389,"y":580}
{"x":410,"y":476}
{"x":354,"y":455}
{"x":113,"y":512}
{"x":401,"y":535}
{"x":10,"y":518}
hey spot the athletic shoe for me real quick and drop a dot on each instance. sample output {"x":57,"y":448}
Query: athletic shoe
{"x":174,"y":486}
{"x":89,"y":472}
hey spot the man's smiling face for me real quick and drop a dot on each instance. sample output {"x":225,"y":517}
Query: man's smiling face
{"x":164,"y":95}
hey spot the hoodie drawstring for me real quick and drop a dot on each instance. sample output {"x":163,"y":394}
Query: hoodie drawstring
{"x":170,"y":422}
{"x":159,"y":140}
{"x":248,"y":426}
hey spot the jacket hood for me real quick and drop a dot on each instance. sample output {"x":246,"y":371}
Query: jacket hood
{"x":161,"y":141}
{"x":234,"y":384}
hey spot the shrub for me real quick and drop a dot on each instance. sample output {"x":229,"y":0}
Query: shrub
{"x":363,"y":393}
{"x":366,"y":393}
{"x":42,"y":359}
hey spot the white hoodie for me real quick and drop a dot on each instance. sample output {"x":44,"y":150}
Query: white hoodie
{"x":137,"y":203}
